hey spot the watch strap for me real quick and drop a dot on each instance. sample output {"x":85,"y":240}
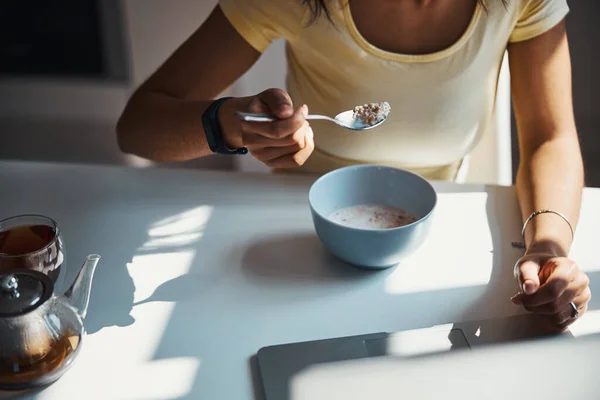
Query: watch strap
{"x":212,"y":129}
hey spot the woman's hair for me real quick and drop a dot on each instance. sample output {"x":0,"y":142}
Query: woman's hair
{"x":319,"y":7}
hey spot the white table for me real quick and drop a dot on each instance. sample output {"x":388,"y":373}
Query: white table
{"x":201,"y":269}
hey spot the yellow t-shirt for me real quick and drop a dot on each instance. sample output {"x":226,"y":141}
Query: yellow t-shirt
{"x":442,"y":103}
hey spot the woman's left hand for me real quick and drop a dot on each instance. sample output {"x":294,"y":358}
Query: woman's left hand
{"x":549,"y":284}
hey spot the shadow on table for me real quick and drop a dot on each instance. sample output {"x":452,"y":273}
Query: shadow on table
{"x":112,"y":297}
{"x":181,"y":289}
{"x":502,"y":284}
{"x":113,"y":310}
{"x":257,"y":385}
{"x":299,"y":257}
{"x":147,"y":240}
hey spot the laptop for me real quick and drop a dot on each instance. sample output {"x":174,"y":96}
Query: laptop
{"x":542,"y":369}
{"x":279,"y":365}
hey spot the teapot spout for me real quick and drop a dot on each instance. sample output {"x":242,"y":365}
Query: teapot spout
{"x":79,"y":292}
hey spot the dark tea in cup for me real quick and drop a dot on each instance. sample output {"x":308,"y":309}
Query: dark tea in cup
{"x":31,"y":242}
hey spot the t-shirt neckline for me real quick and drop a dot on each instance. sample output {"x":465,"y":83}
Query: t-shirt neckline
{"x":408,"y":58}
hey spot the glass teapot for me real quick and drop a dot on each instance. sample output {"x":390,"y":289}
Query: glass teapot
{"x":40,"y":331}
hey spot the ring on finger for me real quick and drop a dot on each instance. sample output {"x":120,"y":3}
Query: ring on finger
{"x":575,"y":311}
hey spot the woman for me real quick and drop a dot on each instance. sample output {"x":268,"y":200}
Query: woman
{"x":435,"y":61}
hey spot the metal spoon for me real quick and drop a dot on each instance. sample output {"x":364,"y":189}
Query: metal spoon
{"x":345,"y":119}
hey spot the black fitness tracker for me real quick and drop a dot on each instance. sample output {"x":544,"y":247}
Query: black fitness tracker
{"x":214,"y":135}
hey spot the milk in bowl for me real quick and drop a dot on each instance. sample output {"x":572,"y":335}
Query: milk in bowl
{"x":372,"y":216}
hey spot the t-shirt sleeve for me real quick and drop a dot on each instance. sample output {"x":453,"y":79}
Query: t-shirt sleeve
{"x":260,"y":22}
{"x":537,"y":17}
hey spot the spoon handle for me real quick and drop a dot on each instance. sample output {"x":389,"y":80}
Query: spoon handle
{"x":251,"y":117}
{"x":325,"y":117}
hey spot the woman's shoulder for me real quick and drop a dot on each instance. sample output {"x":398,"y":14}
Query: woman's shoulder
{"x":276,"y":9}
{"x":262,"y":21}
{"x":536,"y":5}
{"x":534,"y":17}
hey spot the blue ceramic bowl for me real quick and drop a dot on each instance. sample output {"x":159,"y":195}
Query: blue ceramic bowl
{"x":372,"y":184}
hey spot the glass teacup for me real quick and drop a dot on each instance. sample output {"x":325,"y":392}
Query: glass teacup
{"x":32,"y":242}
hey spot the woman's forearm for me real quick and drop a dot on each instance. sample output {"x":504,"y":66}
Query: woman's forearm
{"x":551,"y":177}
{"x":163,"y":128}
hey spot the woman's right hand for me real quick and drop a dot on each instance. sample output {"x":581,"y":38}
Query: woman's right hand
{"x":285,"y":143}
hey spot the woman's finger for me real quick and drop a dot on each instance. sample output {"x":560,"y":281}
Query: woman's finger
{"x":266,"y":154}
{"x":280,"y":128}
{"x":256,"y":141}
{"x":297,"y":159}
{"x":564,"y":271}
{"x":566,"y":314}
{"x":575,"y":288}
{"x":273,"y":101}
{"x":526,"y":271}
{"x":570,"y":320}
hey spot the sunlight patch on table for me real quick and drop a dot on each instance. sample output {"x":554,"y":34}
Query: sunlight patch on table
{"x":450,"y":261}
{"x":585,"y":256}
{"x":588,"y":324}
{"x":583,"y":251}
{"x":418,"y":341}
{"x":133,"y":344}
{"x":179,"y":230}
{"x":189,"y":221}
{"x":157,"y":380}
{"x":185,"y":239}
{"x":149,"y":271}
{"x":171,"y":378}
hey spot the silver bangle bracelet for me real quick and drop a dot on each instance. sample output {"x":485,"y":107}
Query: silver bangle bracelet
{"x":536,"y":213}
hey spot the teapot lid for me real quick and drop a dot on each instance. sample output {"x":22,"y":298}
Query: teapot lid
{"x":22,"y":291}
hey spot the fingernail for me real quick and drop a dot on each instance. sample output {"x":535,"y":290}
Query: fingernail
{"x":305,"y":110}
{"x":528,"y":287}
{"x":285,"y":109}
